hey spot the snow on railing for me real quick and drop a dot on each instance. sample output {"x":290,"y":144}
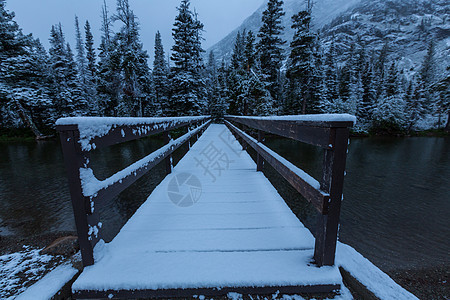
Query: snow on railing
{"x":92,"y":128}
{"x":329,"y":132}
{"x":81,"y":135}
{"x":91,"y":185}
{"x":332,"y":119}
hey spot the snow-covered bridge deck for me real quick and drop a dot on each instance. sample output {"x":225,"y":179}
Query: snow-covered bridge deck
{"x":240,"y":233}
{"x":214,"y":225}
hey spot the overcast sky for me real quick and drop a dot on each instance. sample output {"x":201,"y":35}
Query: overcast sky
{"x":219,"y":17}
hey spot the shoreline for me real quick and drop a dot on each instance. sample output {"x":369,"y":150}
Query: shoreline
{"x":426,"y":282}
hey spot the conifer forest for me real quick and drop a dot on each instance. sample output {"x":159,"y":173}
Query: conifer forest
{"x":265,"y":74}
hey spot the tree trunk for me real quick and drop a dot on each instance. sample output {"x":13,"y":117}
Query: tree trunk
{"x":27,"y":120}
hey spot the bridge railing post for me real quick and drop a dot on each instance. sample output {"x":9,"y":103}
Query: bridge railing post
{"x":168,"y":159}
{"x":75,"y":159}
{"x":329,"y":133}
{"x":76,"y":152}
{"x":333,"y":183}
{"x":259,"y":159}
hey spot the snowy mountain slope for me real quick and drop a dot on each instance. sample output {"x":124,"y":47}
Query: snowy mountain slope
{"x":407,"y":26}
{"x":324,"y":12}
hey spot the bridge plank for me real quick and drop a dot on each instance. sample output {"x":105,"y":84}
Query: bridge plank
{"x":239,"y":233}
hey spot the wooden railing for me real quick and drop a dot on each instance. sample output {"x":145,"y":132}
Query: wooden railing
{"x":79,"y":136}
{"x":329,"y":132}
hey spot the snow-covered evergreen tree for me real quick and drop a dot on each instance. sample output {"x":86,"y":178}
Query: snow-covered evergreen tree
{"x":270,"y":49}
{"x":389,"y":112}
{"x":90,"y":85}
{"x":24,"y":98}
{"x":216,"y":103}
{"x":85,"y":60}
{"x":160,"y":75}
{"x":80,"y":56}
{"x":442,"y":89}
{"x":188,"y":94}
{"x":109,"y":65}
{"x":301,"y":69}
{"x":238,"y":82}
{"x":136,"y":80}
{"x":66,"y":88}
{"x":426,"y":78}
{"x":332,"y":100}
{"x":90,"y":51}
{"x":249,"y":51}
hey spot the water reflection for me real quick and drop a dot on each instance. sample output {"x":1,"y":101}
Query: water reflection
{"x":396,"y":193}
{"x":396,"y":197}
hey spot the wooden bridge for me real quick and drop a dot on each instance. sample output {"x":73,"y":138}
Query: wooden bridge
{"x":215,"y":224}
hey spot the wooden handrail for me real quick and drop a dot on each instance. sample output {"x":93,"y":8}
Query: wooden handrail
{"x":79,"y":136}
{"x":307,"y":186}
{"x":331,"y":133}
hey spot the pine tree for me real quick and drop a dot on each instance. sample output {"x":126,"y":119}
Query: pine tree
{"x":300,"y":70}
{"x":355,"y":83}
{"x":136,"y":81}
{"x":74,"y":88}
{"x":365,"y":109}
{"x":319,"y":79}
{"x":332,"y":101}
{"x":187,"y":86}
{"x":66,"y":89}
{"x":270,"y":47}
{"x":442,"y":88}
{"x":380,"y":68}
{"x":390,"y":110}
{"x":85,"y":60}
{"x":413,"y":106}
{"x":108,"y":76}
{"x":58,"y":66}
{"x":216,"y":101}
{"x":160,"y":72}
{"x":427,"y":77}
{"x":15,"y":54}
{"x":238,"y":56}
{"x":90,"y":51}
{"x":249,"y":51}
{"x":81,"y":57}
{"x":238,"y":80}
{"x":91,"y":71}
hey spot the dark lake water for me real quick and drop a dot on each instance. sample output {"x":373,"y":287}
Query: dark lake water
{"x":396,"y":197}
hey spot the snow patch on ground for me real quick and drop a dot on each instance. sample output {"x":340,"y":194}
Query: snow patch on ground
{"x":368,"y":274}
{"x":21,"y":269}
{"x":48,"y":286}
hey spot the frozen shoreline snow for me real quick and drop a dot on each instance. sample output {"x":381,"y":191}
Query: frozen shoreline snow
{"x":50,"y":284}
{"x":376,"y":281}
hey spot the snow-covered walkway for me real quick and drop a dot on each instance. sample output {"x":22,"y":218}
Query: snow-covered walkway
{"x":213,"y":223}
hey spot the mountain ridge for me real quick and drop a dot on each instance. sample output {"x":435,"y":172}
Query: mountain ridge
{"x":324,"y":11}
